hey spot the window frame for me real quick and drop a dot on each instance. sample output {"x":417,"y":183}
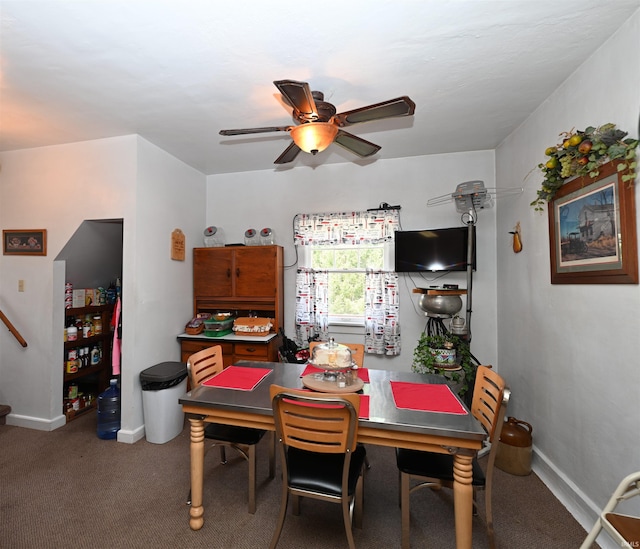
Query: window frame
{"x":305,"y":259}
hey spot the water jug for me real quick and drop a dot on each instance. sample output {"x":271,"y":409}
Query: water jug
{"x":109,"y":411}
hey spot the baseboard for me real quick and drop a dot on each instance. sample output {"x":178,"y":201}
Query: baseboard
{"x":131,"y":437}
{"x":38,"y":423}
{"x":583,"y":509}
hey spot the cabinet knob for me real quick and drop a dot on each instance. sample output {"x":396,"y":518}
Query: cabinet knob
{"x":229,"y":273}
{"x":238,"y":271}
{"x":250,"y":349}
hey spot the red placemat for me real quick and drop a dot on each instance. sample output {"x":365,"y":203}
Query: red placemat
{"x":364,"y":407}
{"x":363,"y":373}
{"x":238,"y":377}
{"x":426,"y":397}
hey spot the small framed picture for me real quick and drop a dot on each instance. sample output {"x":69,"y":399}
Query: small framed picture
{"x":592,"y":230}
{"x":24,"y":242}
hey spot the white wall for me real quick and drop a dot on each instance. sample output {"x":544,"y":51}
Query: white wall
{"x":272,"y":198}
{"x":57,"y":188}
{"x":157,"y":291}
{"x":54,"y":188}
{"x":570,"y":352}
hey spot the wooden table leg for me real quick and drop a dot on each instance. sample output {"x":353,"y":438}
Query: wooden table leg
{"x":463,"y":499}
{"x":196,"y":513}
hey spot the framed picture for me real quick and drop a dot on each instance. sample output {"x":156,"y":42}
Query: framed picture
{"x":26,"y":242}
{"x":592,"y":230}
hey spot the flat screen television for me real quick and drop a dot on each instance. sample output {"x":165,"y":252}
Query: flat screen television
{"x":433,"y":250}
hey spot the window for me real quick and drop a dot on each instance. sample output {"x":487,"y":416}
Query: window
{"x":347,"y":266}
{"x":344,"y":276}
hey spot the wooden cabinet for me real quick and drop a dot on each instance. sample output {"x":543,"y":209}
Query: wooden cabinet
{"x":242,"y":272}
{"x":245,"y":280}
{"x":85,"y":378}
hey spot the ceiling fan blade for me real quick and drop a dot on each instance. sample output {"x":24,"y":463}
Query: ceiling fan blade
{"x":401,"y":106}
{"x":298,"y":95}
{"x":355,"y":144}
{"x":256,"y":130}
{"x":289,"y":154}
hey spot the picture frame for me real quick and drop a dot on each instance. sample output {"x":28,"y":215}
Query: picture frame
{"x":24,"y":242}
{"x":592,"y":230}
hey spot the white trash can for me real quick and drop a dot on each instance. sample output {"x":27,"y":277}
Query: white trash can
{"x":162,"y":386}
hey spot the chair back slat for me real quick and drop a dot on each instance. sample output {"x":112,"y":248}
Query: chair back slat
{"x":204,"y":364}
{"x":316,"y":422}
{"x":487,"y":399}
{"x":313,"y":434}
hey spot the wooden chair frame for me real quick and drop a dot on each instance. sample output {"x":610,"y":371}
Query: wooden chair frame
{"x":624,"y":529}
{"x":321,"y":423}
{"x":200,"y":367}
{"x":489,"y":406}
{"x":357,"y":355}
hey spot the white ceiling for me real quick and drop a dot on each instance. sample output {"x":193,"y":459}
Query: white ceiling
{"x":178,"y":71}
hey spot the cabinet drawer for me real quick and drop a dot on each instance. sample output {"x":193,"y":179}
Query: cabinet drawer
{"x":260,"y":351}
{"x":187,"y":348}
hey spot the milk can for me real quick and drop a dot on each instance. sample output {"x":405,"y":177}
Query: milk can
{"x":514,"y":447}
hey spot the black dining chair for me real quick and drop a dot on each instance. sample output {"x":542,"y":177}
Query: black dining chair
{"x":320,"y":456}
{"x":201,"y":366}
{"x":489,"y":405}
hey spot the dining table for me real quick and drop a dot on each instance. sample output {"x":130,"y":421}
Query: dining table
{"x":429,"y":423}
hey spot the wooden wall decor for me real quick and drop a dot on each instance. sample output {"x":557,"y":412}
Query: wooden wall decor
{"x":177,"y":245}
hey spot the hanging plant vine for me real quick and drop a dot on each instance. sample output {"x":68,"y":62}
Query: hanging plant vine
{"x":581,"y":153}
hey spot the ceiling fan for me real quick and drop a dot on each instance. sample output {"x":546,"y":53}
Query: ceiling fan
{"x":319,"y":125}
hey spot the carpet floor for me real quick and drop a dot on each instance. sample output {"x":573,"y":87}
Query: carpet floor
{"x":68,"y":488}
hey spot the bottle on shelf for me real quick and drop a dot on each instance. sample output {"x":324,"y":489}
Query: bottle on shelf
{"x":97,"y":325}
{"x":95,"y":355}
{"x":109,"y":412}
{"x":87,"y":327}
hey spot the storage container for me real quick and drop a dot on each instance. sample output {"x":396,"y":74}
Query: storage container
{"x":218,"y":328}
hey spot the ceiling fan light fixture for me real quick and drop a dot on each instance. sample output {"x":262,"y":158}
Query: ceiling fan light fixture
{"x":314,"y":137}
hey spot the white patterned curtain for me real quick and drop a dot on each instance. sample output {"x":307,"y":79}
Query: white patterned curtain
{"x":381,"y":302}
{"x":312,"y":305}
{"x":382,"y":329}
{"x":330,"y":229}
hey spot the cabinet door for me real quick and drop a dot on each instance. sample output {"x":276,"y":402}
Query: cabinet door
{"x":212,"y":272}
{"x":255,"y":271}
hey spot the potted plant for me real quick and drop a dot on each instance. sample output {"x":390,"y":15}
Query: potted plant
{"x":432,"y":354}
